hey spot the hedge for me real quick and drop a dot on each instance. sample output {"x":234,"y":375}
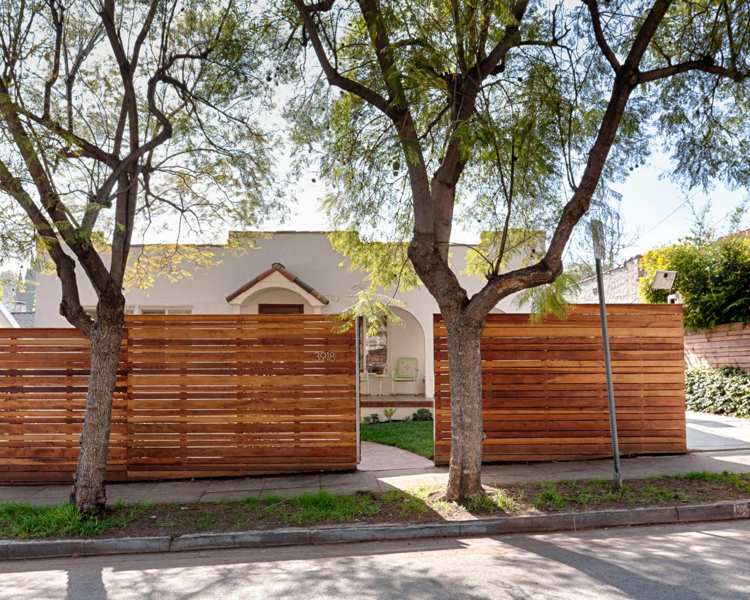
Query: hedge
{"x":722,"y":391}
{"x":712,"y":278}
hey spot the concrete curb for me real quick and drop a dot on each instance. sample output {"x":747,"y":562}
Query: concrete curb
{"x":720,"y":511}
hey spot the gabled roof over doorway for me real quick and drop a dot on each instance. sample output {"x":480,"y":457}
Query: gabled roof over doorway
{"x":275,"y":277}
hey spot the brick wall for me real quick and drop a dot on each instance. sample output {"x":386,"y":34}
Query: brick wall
{"x":725,"y":345}
{"x":620,"y":285}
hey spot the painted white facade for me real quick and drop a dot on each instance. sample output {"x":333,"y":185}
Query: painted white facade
{"x":309,"y":256}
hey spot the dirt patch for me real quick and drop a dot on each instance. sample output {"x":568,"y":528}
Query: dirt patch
{"x":422,"y":505}
{"x":271,"y":513}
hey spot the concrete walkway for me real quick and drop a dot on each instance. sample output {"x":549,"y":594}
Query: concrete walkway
{"x":714,"y":432}
{"x":207,"y":490}
{"x":379,"y":457}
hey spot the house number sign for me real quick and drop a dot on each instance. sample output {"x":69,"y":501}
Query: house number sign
{"x":325,"y":355}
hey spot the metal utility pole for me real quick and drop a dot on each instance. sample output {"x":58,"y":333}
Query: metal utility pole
{"x":597,"y":234}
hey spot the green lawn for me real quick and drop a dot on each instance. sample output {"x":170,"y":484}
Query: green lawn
{"x":414,"y":436}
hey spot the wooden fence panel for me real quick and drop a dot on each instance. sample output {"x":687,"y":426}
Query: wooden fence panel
{"x":198,"y":396}
{"x":544,"y":388}
{"x":723,"y":346}
{"x":43,"y":382}
{"x":230,"y":395}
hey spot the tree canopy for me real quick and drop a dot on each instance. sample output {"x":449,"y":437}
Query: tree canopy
{"x":537,"y":113}
{"x":165,"y":92}
{"x":511,"y":115}
{"x":117,"y":117}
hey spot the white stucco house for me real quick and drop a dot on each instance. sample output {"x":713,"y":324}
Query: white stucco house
{"x":288,"y":272}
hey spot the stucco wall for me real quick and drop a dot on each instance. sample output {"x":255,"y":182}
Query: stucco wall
{"x":405,"y":339}
{"x":308,"y":255}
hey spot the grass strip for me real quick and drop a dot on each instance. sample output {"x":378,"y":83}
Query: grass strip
{"x":419,"y":505}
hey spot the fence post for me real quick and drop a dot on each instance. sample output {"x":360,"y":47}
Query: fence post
{"x":357,"y":377}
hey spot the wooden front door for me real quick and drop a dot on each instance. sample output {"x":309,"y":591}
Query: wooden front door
{"x":281,"y":309}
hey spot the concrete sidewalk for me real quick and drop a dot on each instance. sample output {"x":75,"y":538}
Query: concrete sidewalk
{"x":716,"y":432}
{"x":207,"y":490}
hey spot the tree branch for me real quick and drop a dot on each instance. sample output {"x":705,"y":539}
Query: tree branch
{"x":596,"y":21}
{"x":705,"y":64}
{"x":70,"y":305}
{"x":550,"y":266}
{"x":81,"y":245}
{"x":332,"y":75}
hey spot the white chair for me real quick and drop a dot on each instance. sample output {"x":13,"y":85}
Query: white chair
{"x":406,"y":371}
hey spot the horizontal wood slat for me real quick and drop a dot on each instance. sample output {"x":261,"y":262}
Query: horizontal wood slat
{"x":544,"y":389}
{"x":197,"y":396}
{"x":723,"y":346}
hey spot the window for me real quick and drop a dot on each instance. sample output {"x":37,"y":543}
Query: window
{"x":166,"y":310}
{"x":280,"y":309}
{"x":376,"y":349}
{"x":91,"y":311}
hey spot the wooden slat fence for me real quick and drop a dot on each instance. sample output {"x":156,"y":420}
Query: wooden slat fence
{"x":723,"y":346}
{"x":199,"y":396}
{"x":43,"y":381}
{"x":544,"y":388}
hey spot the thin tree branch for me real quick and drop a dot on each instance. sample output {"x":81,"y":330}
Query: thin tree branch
{"x":601,"y":40}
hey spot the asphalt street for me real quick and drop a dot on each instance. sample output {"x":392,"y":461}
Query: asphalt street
{"x":674,"y":562}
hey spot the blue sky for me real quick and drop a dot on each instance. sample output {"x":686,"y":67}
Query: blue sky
{"x":656,"y":211}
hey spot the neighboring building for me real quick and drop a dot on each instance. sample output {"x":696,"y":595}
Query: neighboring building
{"x":23,"y":300}
{"x":620,"y":285}
{"x":6,"y":317}
{"x":288,"y":272}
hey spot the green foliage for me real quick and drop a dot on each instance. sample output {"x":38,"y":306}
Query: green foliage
{"x":19,"y":520}
{"x":722,"y":391}
{"x":374,"y":308}
{"x":549,"y":499}
{"x":482,"y":258}
{"x":658,"y":494}
{"x":371,"y":419}
{"x":422,"y":414}
{"x":409,"y":504}
{"x":712,"y":278}
{"x":550,"y":299}
{"x":535,"y":119}
{"x":413,"y":436}
{"x":204,"y":61}
{"x":386,"y":263}
{"x":324,"y":506}
{"x":738,"y":481}
{"x":388,"y":413}
{"x":494,"y":501}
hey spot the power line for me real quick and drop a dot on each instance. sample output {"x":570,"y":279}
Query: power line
{"x":676,"y":208}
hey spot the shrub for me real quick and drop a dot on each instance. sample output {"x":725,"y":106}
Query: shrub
{"x":712,"y":278}
{"x":388,"y":413}
{"x":422,"y":414}
{"x":549,"y":499}
{"x":371,"y":419}
{"x":722,"y":391}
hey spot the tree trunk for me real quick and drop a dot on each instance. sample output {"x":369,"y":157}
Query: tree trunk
{"x":89,"y":494}
{"x":467,"y":431}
